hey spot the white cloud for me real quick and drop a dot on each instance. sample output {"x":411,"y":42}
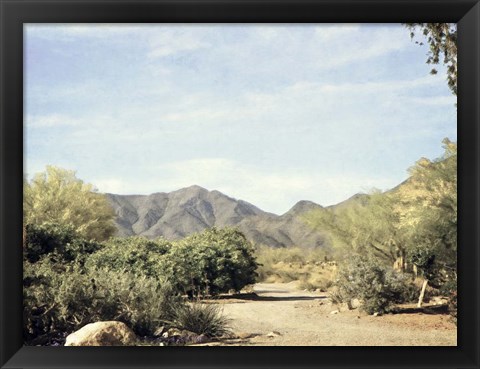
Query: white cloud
{"x":330,"y":32}
{"x":51,"y":121}
{"x":169,"y":42}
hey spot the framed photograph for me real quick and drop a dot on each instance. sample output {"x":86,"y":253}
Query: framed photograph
{"x":281,"y":183}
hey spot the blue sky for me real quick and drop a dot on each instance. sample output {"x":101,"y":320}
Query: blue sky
{"x":271,"y":114}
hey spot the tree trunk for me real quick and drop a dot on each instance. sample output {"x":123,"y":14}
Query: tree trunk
{"x":422,"y":293}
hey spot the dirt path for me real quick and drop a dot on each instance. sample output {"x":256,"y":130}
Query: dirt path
{"x":305,"y":318}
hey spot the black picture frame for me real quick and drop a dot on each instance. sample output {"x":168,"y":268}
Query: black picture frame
{"x":14,"y":13}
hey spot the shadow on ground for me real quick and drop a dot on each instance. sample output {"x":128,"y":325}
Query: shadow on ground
{"x":255,"y":297}
{"x":433,"y":309}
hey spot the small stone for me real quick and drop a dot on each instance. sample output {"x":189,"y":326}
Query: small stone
{"x":201,"y":339}
{"x":159,"y":331}
{"x":274,"y":334}
{"x":334,"y":312}
{"x":375,"y":314}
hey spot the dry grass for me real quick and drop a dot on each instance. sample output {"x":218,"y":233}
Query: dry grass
{"x":311,"y":268}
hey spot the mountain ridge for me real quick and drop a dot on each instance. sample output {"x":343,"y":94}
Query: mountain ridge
{"x":177,"y":214}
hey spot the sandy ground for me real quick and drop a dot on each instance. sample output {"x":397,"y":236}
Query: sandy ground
{"x":282,"y":315}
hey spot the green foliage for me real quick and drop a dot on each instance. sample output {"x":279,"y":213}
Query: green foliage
{"x":212,"y":262}
{"x":442,"y":42}
{"x":415,"y":223}
{"x":66,"y":285}
{"x":60,"y":299}
{"x":378,"y":287}
{"x":366,"y":226}
{"x":427,"y":209}
{"x":138,"y":255}
{"x":70,"y":282}
{"x":200,"y":318}
{"x":60,"y":242}
{"x":449,"y":289}
{"x":58,"y":196}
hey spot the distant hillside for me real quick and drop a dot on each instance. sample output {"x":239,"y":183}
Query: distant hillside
{"x":180,"y":213}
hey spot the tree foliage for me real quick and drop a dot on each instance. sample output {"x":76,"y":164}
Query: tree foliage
{"x":63,"y":290}
{"x":379,"y":287}
{"x":58,"y":196}
{"x":442,"y":41}
{"x":366,"y":226}
{"x":212,"y":262}
{"x":427,"y":211}
{"x":138,"y":255}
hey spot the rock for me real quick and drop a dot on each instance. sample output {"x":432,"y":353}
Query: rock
{"x":343,"y":307}
{"x":159,"y":331}
{"x":111,"y":333}
{"x":376,"y":314}
{"x":178,"y":336}
{"x":355,"y":303}
{"x":334,"y":312}
{"x":438,"y":300}
{"x":201,"y":339}
{"x":274,"y":334}
{"x":172,"y":332}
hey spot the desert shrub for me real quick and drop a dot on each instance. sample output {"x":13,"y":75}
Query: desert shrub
{"x":60,"y":242}
{"x":311,"y":284}
{"x":211,"y":262}
{"x":377,"y":286}
{"x":63,"y":299}
{"x":200,"y":318}
{"x":449,"y":289}
{"x":69,"y":282}
{"x":272,"y":255}
{"x":291,"y":264}
{"x":139,"y":255}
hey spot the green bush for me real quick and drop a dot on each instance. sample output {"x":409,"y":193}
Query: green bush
{"x":211,"y":262}
{"x":200,"y":318}
{"x":64,"y":299}
{"x":139,"y":255}
{"x":69,"y":282}
{"x":378,"y":287}
{"x":449,"y":289}
{"x":60,"y":242}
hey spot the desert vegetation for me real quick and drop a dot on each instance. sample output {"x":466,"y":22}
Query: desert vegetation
{"x":387,"y":242}
{"x":383,"y":249}
{"x":75,"y":275}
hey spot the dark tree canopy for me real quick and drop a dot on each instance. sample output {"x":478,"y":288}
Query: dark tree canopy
{"x":442,"y":40}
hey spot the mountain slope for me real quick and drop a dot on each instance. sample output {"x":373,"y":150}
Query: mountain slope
{"x":189,"y":210}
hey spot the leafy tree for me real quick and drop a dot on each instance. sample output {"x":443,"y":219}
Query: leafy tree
{"x":442,"y":40}
{"x":58,"y":196}
{"x":427,"y":212}
{"x":366,"y":226}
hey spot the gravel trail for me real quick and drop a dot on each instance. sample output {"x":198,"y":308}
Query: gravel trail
{"x":282,"y":315}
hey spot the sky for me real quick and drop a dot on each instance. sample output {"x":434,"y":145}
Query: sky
{"x":270,"y":114}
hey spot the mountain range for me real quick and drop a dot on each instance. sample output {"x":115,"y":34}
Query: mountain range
{"x":177,"y":214}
